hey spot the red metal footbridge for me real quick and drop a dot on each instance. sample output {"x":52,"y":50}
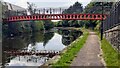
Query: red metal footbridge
{"x":56,"y":17}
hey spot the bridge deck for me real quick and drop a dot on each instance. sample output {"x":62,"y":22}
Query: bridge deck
{"x":57,"y":17}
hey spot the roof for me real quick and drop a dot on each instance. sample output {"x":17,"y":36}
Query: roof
{"x":13,"y":7}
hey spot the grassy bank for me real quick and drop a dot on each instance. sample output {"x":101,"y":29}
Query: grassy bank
{"x":109,"y":54}
{"x":70,"y":53}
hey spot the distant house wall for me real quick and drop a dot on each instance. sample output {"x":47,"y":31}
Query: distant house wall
{"x":13,"y":7}
{"x":0,"y":11}
{"x":0,"y":32}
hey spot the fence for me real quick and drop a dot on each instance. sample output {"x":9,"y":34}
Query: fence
{"x":111,"y":26}
{"x":114,"y":18}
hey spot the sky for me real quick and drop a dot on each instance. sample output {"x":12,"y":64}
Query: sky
{"x":47,"y":3}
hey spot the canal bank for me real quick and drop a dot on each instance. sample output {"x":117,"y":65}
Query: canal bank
{"x":110,"y":55}
{"x":66,"y":56}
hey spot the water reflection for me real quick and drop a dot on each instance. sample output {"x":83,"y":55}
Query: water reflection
{"x":69,"y":36}
{"x":27,"y":61}
{"x":55,"y":41}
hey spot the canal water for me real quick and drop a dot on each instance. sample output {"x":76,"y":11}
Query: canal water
{"x":55,"y":40}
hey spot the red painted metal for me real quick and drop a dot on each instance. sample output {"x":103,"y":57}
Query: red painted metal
{"x":57,"y":17}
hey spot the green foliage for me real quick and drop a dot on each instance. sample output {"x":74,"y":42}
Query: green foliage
{"x":65,"y":23}
{"x":39,"y":25}
{"x":98,"y":25}
{"x":27,"y":26}
{"x":75,"y":8}
{"x":38,"y":36}
{"x":89,"y":24}
{"x":59,"y":24}
{"x":88,"y":7}
{"x":95,"y":7}
{"x":75,"y":23}
{"x":48,"y":24}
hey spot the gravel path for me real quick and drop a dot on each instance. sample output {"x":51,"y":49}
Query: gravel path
{"x":89,"y":54}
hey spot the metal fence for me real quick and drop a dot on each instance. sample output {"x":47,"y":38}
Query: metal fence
{"x":114,"y":18}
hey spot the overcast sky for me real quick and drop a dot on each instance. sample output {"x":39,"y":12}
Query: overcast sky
{"x":47,"y":3}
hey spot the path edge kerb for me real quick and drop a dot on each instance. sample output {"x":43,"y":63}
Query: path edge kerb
{"x":101,"y":53}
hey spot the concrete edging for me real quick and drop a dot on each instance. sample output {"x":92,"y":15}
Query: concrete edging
{"x":101,"y":54}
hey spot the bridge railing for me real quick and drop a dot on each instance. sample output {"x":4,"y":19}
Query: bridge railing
{"x":9,"y":13}
{"x":114,"y":18}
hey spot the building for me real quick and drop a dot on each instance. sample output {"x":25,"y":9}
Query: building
{"x":11,"y":9}
{"x":8,"y":9}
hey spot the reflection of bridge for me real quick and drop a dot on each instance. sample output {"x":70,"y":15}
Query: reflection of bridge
{"x":37,"y":53}
{"x":56,"y":17}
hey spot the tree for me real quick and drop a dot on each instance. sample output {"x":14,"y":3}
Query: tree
{"x":75,"y":8}
{"x":31,"y":8}
{"x":48,"y":24}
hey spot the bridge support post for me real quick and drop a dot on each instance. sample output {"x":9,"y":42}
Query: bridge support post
{"x":102,"y":23}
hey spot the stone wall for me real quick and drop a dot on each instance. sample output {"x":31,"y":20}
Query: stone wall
{"x":113,"y":36}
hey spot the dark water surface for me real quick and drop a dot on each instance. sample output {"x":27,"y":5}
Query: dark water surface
{"x":55,"y":40}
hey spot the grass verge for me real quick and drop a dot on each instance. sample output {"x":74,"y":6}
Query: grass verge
{"x":110,"y":55}
{"x":68,"y":56}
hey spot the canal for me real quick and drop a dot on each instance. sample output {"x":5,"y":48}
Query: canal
{"x":54,"y":40}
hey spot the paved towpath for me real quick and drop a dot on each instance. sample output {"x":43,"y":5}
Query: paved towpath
{"x":88,"y":55}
